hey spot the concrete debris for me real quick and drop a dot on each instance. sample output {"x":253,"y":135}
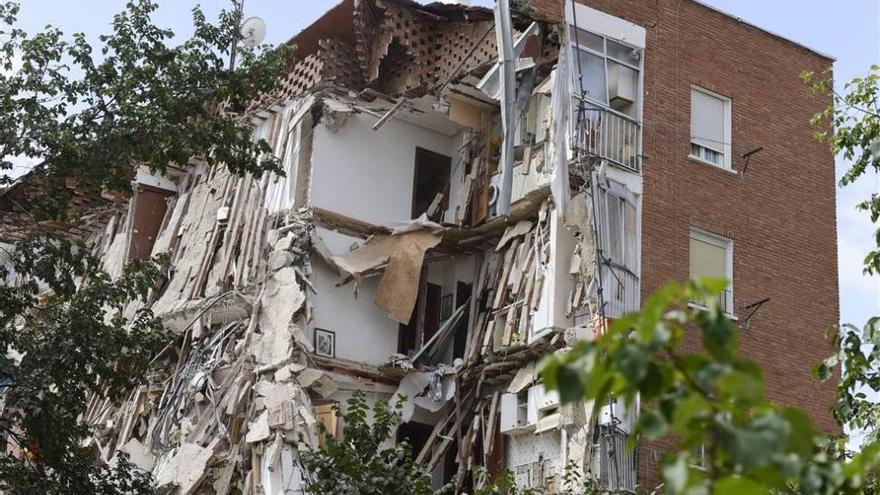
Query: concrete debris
{"x":267,"y":342}
{"x":184,"y":467}
{"x":308,"y":377}
{"x":439,"y":392}
{"x":258,"y":430}
{"x":273,"y":347}
{"x":525,"y":377}
{"x":138,"y":455}
{"x":282,"y":298}
{"x":521,"y":228}
{"x":273,"y":393}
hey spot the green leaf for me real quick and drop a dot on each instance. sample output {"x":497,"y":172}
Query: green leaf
{"x":803,"y":433}
{"x":719,"y":336}
{"x":755,"y":444}
{"x":737,"y":485}
{"x":675,"y":473}
{"x":657,"y":380}
{"x":741,"y":387}
{"x":632,"y":362}
{"x":652,"y":424}
{"x":687,"y":410}
{"x":568,"y":380}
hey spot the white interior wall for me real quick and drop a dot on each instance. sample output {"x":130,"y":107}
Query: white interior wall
{"x":368,"y":174}
{"x":364,"y":332}
{"x":446,"y":273}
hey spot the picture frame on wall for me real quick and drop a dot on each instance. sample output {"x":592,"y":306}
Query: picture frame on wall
{"x":445,"y":307}
{"x":325,"y":343}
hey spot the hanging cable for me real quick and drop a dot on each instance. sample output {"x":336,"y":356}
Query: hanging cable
{"x":586,"y":164}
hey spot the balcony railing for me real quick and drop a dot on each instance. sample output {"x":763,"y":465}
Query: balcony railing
{"x":607,"y":134}
{"x":620,"y":291}
{"x":724,"y":301}
{"x":617,"y":462}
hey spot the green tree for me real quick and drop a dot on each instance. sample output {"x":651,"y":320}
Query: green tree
{"x":356,"y":463}
{"x":712,"y":399}
{"x":92,"y":115}
{"x":854,"y":117}
{"x":715,"y":399}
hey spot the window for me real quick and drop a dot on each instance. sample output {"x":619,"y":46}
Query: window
{"x":712,"y":256}
{"x":617,"y":217}
{"x":698,"y":457}
{"x":431,"y":180}
{"x":149,"y":206}
{"x":605,"y":71}
{"x":618,"y":228}
{"x":710,"y":128}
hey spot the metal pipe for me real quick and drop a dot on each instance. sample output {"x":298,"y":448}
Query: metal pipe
{"x":507,"y":76}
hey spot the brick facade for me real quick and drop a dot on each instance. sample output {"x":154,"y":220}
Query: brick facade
{"x":780,"y":214}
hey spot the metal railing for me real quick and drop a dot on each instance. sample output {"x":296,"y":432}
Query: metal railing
{"x":724,"y":301}
{"x":608,"y":134}
{"x":617,"y":463}
{"x":620,"y":291}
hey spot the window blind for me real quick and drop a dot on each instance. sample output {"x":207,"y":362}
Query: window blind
{"x":707,"y":121}
{"x":707,"y":260}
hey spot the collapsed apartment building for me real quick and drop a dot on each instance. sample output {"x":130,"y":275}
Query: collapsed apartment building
{"x":463,"y":195}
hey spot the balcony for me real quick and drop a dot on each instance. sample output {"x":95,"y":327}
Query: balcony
{"x":605,"y":133}
{"x":620,"y":291}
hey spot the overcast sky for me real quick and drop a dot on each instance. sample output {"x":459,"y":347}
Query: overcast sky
{"x":848,"y":30}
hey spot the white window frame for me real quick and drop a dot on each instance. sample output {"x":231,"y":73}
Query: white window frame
{"x":627,"y":199}
{"x":725,"y":244}
{"x":727,"y":145}
{"x":605,"y":58}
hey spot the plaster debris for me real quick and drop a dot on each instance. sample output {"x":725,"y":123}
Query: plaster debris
{"x":282,"y":298}
{"x":466,"y":302}
{"x":184,"y":467}
{"x":138,"y":455}
{"x":258,"y":430}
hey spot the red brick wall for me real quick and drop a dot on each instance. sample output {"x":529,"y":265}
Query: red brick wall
{"x":780,"y":215}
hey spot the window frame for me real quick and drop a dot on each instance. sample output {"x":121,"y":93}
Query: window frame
{"x":573,"y":62}
{"x":615,"y":191}
{"x":727,"y":145}
{"x":423,"y":155}
{"x":727,"y":245}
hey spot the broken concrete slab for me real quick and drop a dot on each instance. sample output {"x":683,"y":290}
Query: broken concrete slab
{"x":184,"y":467}
{"x":281,"y":416}
{"x":258,"y":430}
{"x":308,"y":376}
{"x":523,"y":378}
{"x":138,"y":455}
{"x":521,"y":228}
{"x":274,"y":393}
{"x":281,"y":299}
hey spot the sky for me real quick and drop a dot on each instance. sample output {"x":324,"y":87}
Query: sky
{"x":849,"y":30}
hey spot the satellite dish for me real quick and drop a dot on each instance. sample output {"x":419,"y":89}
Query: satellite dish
{"x":253,"y":31}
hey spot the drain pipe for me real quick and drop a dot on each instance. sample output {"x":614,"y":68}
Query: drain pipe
{"x":507,"y":68}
